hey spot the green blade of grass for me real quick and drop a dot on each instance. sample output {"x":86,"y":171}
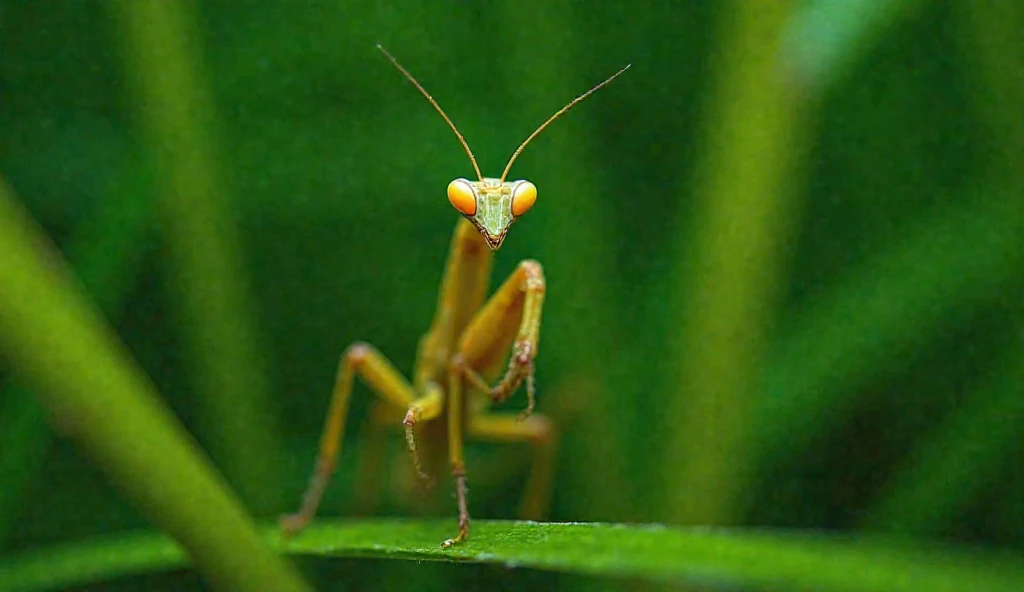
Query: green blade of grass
{"x":964,"y":456}
{"x":730,"y":265}
{"x":105,"y":251}
{"x":825,"y":37}
{"x":961,"y":460}
{"x":954,"y":260}
{"x":712,"y":558}
{"x":207,"y":273}
{"x":991,"y":43}
{"x":58,"y":344}
{"x":24,"y":441}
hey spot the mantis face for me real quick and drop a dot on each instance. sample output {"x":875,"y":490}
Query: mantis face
{"x":492,"y":205}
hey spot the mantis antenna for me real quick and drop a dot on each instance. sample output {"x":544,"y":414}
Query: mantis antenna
{"x":557,"y":114}
{"x":462,"y":140}
{"x":436,"y":106}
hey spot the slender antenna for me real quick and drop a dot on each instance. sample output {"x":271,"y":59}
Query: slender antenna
{"x":438,"y":107}
{"x":554,"y":117}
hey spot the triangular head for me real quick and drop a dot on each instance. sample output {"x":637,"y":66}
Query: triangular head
{"x":492,"y":205}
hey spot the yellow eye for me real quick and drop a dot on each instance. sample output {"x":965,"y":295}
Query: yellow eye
{"x":460,"y":194}
{"x":523,"y":197}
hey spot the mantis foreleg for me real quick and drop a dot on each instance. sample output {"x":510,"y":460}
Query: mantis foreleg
{"x":510,"y":318}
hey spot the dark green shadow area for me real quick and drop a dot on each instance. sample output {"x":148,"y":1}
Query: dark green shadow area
{"x":713,"y":558}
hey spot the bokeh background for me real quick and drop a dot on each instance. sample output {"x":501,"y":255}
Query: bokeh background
{"x":783,"y":251}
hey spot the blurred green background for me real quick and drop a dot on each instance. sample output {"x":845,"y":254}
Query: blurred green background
{"x":783,"y":250}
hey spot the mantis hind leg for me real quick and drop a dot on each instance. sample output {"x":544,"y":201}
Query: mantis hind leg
{"x":374,"y":369}
{"x":373,"y":455}
{"x":541,"y":434}
{"x":565,"y":403}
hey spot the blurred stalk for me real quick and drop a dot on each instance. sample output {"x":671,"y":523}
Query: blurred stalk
{"x":825,"y":38}
{"x":24,"y":441}
{"x":728,"y":270}
{"x":106,"y":251}
{"x":959,"y":257}
{"x":961,"y":459}
{"x":96,"y":396}
{"x":578,"y":254}
{"x":964,"y":456}
{"x":995,"y":60}
{"x":161,"y":43}
{"x":822,"y":43}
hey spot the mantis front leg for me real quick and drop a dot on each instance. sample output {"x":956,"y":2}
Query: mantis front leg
{"x":510,"y":318}
{"x":516,"y":306}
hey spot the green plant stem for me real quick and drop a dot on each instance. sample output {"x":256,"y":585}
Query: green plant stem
{"x":59,"y":345}
{"x":206,"y":270}
{"x":991,"y":43}
{"x":961,"y":460}
{"x":24,"y":441}
{"x":730,"y":266}
{"x":960,"y":257}
{"x":964,"y":456}
{"x":826,"y":37}
{"x":105,"y":251}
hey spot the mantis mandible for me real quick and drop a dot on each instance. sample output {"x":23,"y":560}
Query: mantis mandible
{"x":463,"y":350}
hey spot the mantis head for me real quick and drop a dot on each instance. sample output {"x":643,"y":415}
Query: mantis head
{"x":492,"y":205}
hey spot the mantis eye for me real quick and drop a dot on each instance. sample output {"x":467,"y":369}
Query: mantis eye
{"x":462,"y":197}
{"x":523,"y":196}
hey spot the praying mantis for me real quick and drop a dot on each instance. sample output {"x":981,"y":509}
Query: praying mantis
{"x":463,"y":350}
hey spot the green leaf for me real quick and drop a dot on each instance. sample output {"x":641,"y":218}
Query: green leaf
{"x":714,"y":558}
